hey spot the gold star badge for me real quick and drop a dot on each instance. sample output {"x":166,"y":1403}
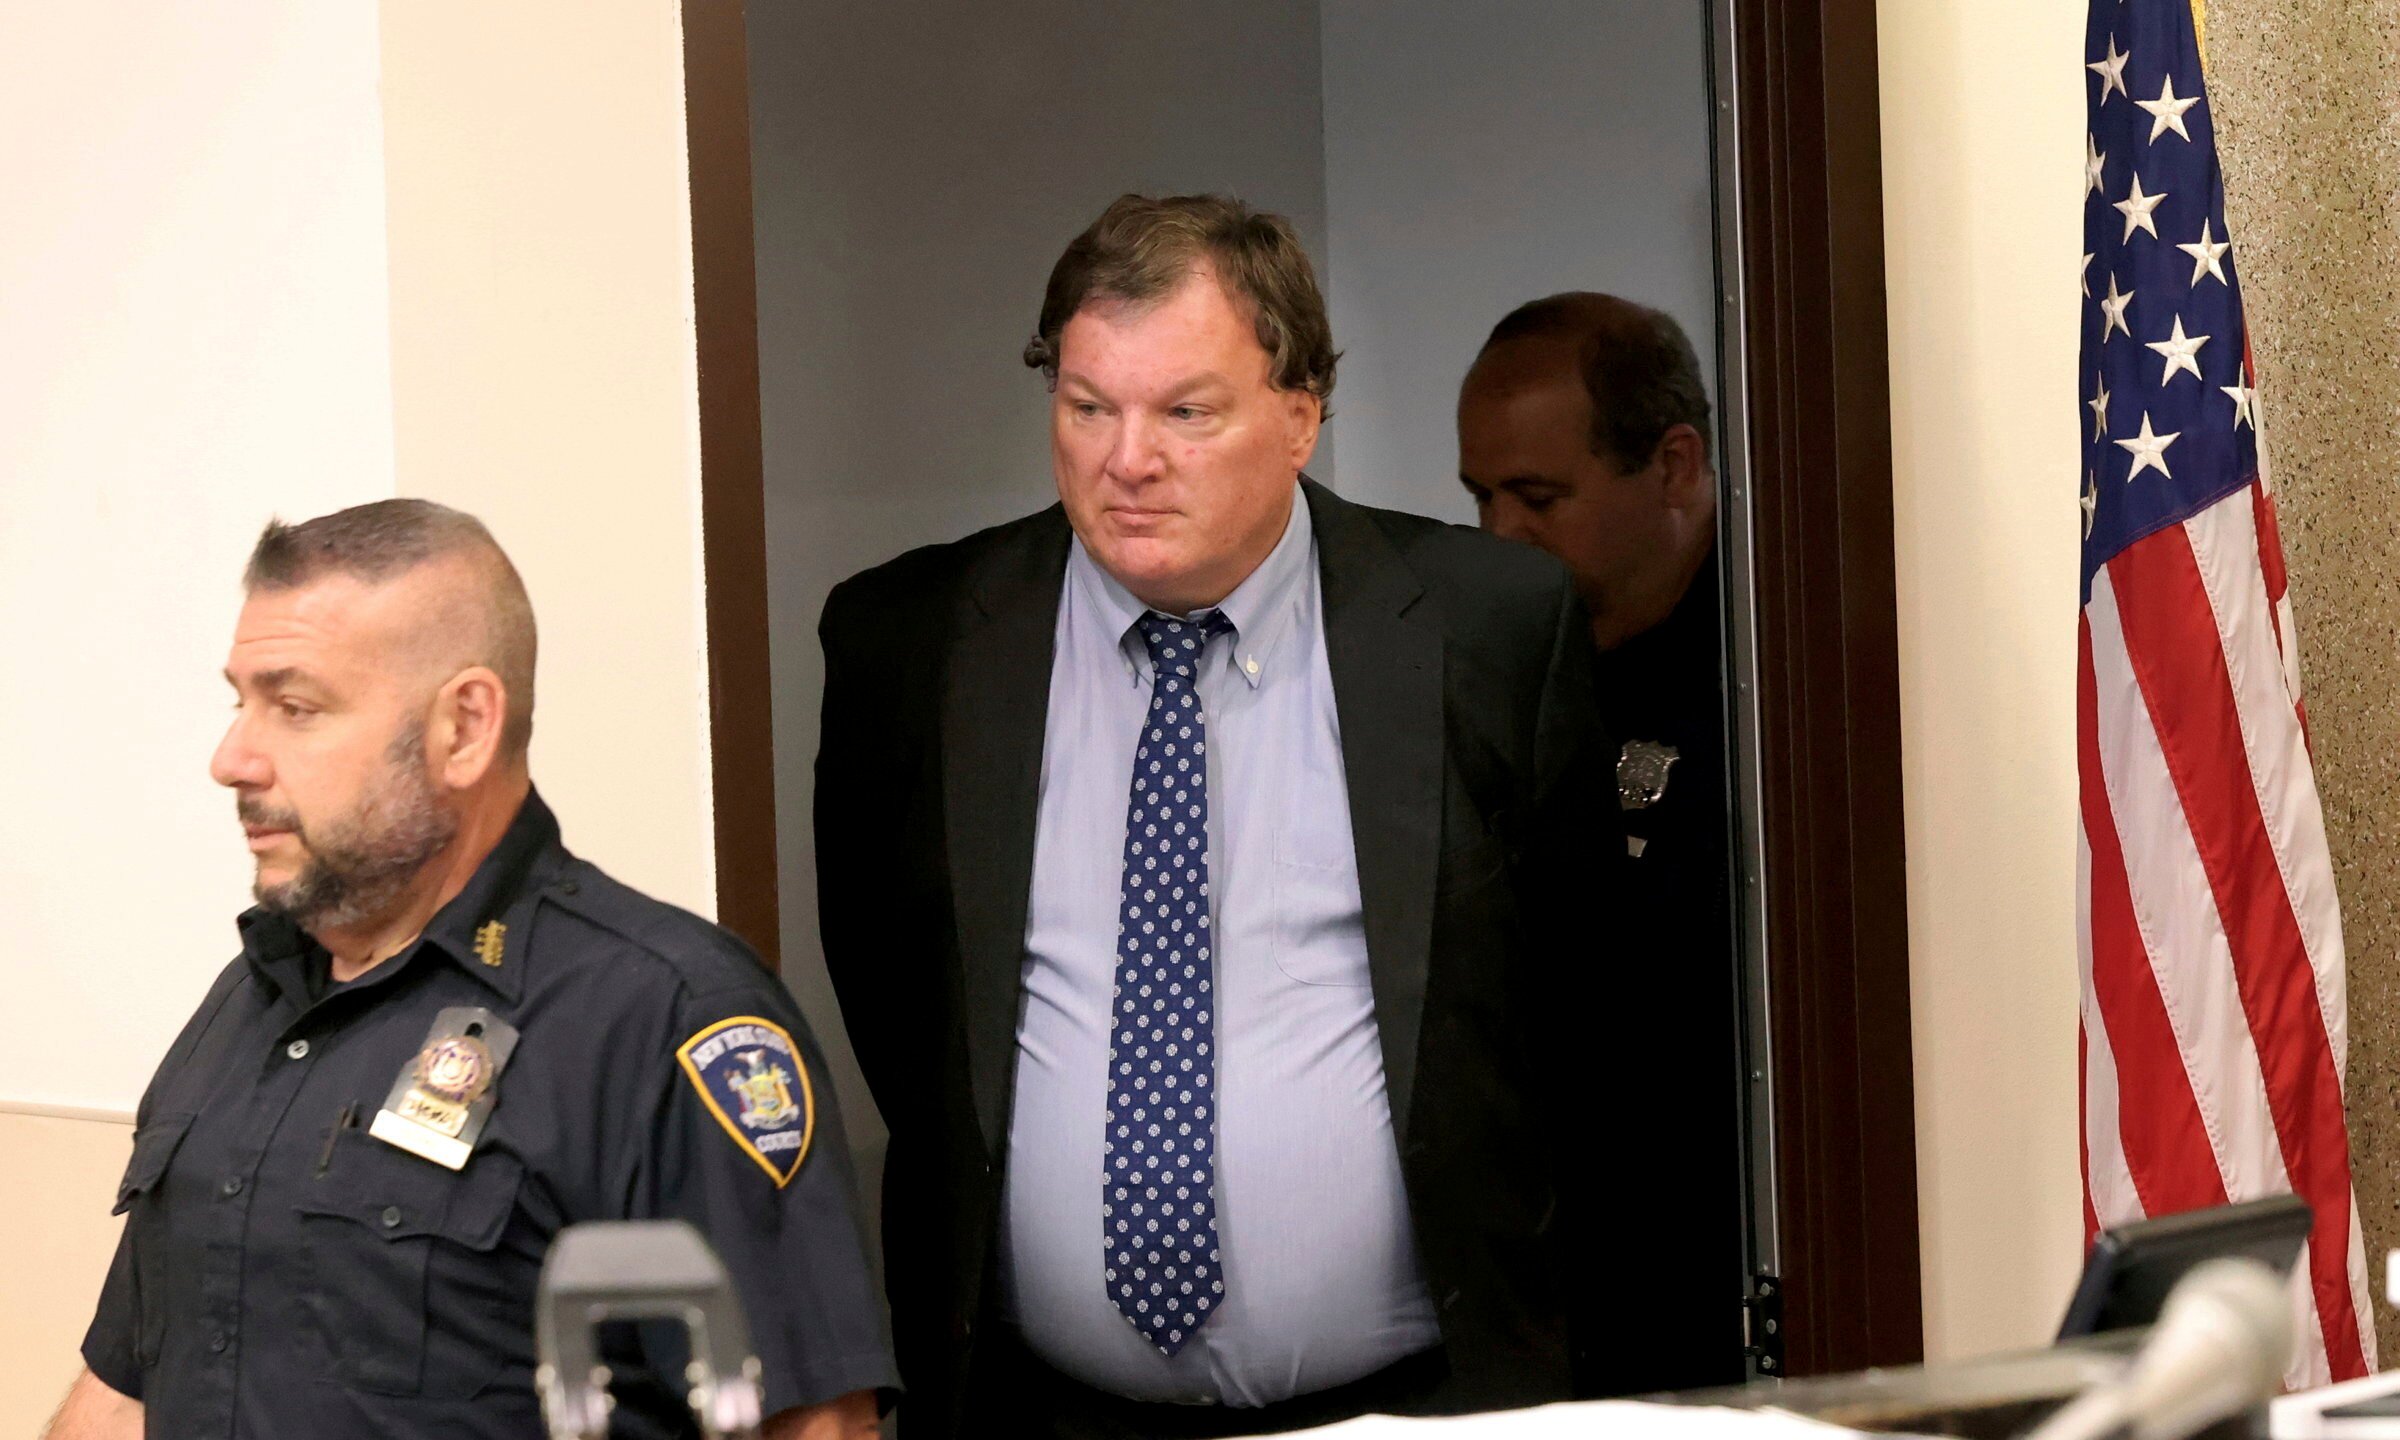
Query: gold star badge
{"x":489,"y":940}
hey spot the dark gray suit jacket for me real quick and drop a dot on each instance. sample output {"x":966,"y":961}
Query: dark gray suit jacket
{"x":1513,"y":1012}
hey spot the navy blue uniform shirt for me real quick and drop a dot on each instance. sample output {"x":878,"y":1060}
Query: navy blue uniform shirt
{"x":1666,"y":687}
{"x":284,"y":1273}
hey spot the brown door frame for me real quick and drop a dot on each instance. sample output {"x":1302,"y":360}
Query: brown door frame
{"x":1830,"y":886}
{"x":1829,"y":894}
{"x":733,"y":497}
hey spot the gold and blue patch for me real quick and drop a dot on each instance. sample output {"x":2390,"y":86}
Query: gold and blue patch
{"x":751,"y":1077}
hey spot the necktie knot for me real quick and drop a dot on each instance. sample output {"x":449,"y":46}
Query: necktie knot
{"x":1175,"y":643}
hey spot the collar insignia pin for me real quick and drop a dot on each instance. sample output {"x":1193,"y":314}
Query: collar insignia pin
{"x":489,"y":942}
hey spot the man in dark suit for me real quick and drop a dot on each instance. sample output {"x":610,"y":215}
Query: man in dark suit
{"x":1218,"y":880}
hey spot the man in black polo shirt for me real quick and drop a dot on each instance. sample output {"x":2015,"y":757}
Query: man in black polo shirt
{"x":1583,"y":429}
{"x":445,"y":1039}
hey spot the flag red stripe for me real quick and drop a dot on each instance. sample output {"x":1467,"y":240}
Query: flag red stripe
{"x":2178,"y":659}
{"x":2167,"y":1150}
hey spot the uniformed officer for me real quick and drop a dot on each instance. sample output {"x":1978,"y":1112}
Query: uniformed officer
{"x":446,"y":1038}
{"x":1583,"y":429}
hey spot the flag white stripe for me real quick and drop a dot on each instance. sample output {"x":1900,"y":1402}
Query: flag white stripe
{"x":2114,"y":1200}
{"x":2309,"y":1367}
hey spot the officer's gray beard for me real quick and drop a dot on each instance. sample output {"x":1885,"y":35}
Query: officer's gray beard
{"x":359,"y":866}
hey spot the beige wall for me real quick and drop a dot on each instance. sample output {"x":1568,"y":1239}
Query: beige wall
{"x":467,"y":276}
{"x":543,"y":377}
{"x":1983,"y":126}
{"x":59,"y":1238}
{"x":1983,"y":123}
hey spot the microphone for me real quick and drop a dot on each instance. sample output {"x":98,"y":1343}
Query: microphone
{"x":2220,"y":1346}
{"x":640,"y":1270}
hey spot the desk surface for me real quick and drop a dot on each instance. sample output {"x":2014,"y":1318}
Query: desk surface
{"x":1999,"y":1396}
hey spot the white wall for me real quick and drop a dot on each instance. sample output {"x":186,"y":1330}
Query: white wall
{"x":1983,"y":126}
{"x":1479,"y":156}
{"x":192,"y":290}
{"x":917,"y":170}
{"x":192,"y":287}
{"x":264,"y":259}
{"x":202,"y":334}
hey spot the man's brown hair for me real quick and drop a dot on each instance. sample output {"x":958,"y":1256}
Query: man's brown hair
{"x":380,"y":540}
{"x":1143,"y":246}
{"x":1637,"y":366}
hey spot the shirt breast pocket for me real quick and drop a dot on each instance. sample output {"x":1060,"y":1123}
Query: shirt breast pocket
{"x":139,"y":1201}
{"x":400,"y":1248}
{"x":1316,"y":931}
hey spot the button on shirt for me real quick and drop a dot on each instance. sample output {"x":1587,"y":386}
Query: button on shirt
{"x":284,"y":1273}
{"x":1322,"y":1283}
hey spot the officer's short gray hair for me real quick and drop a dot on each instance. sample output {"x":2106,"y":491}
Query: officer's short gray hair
{"x":384,"y":539}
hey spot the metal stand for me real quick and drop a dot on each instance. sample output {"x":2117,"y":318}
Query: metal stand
{"x":640,"y":1270}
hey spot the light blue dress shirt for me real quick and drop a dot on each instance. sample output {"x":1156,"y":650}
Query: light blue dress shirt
{"x":1321,"y":1278}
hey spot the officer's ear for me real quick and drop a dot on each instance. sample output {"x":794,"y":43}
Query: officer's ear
{"x":462,"y":738}
{"x":1682,"y":458}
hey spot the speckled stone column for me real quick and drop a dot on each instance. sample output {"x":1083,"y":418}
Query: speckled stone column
{"x":2307,"y":102}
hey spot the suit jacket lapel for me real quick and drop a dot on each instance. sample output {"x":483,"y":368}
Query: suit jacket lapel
{"x":995,"y":707}
{"x":1387,"y":691}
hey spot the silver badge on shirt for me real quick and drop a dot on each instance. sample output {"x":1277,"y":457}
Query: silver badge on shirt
{"x":1642,"y":768}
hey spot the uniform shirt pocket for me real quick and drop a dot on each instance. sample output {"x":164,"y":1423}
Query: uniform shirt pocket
{"x":144,"y":1209}
{"x":153,"y":1150}
{"x":401,"y":1248}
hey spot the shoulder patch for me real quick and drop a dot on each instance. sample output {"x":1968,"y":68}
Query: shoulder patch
{"x":752,"y":1079}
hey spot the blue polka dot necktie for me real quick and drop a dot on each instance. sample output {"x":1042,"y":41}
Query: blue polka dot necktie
{"x":1158,"y":1205}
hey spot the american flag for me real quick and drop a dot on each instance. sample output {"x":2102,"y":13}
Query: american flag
{"x":2214,"y":1025}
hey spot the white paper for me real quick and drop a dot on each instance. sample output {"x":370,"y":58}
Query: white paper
{"x":1594,"y":1420}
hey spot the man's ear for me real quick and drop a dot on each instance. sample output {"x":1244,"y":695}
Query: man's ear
{"x":469,"y":713}
{"x":1307,"y":416}
{"x":1682,"y":458}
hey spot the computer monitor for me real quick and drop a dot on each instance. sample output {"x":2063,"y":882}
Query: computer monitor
{"x":2131,"y":1268}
